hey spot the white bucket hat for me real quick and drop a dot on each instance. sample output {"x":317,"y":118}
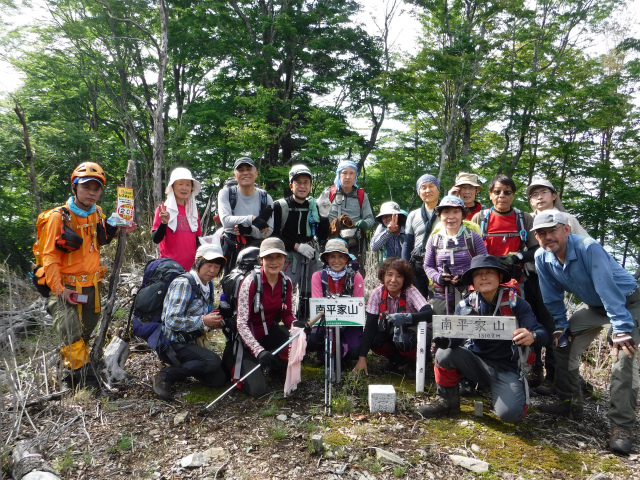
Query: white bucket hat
{"x":182,"y":173}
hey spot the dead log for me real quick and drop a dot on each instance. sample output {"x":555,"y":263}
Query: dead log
{"x":29,"y":464}
{"x":98,"y":346}
{"x":115,"y":356}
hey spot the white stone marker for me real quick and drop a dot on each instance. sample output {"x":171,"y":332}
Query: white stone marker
{"x":382,"y":398}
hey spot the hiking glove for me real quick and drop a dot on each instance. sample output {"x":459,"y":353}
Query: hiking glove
{"x":260,"y":223}
{"x":562,"y":337}
{"x":265,"y":214}
{"x":245,"y":230}
{"x":303,"y":324}
{"x":362,"y":224}
{"x":443,"y":342}
{"x":509,"y":260}
{"x":399,"y":319}
{"x":265,"y":358}
{"x":306,"y":251}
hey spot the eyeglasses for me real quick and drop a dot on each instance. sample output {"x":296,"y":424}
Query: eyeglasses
{"x":548,"y":231}
{"x":506,"y":192}
{"x":539,"y":193}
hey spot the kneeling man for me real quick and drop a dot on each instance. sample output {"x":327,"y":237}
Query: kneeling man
{"x":498,"y":364}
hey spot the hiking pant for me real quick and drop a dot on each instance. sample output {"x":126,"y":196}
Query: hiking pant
{"x":350,"y":341}
{"x":507,"y":389}
{"x":196,"y":361}
{"x":533,"y":296}
{"x":300,"y":269}
{"x":256,"y":384}
{"x":70,"y":325}
{"x":585,"y":324}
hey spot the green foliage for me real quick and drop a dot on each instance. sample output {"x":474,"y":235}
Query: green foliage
{"x":495,"y":87}
{"x":278,"y":431}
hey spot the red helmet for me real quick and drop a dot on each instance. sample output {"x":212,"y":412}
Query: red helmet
{"x":89,"y":169}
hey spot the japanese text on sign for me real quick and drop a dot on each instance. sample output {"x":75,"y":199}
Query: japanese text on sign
{"x":341,"y":311}
{"x":124,"y":208}
{"x":462,"y":326}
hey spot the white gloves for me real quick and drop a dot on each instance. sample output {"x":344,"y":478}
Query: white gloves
{"x":306,"y":250}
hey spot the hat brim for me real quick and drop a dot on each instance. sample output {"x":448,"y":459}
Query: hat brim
{"x":213,"y":256}
{"x":326,"y":252}
{"x":89,"y":179}
{"x":467,"y":277}
{"x":251,"y":164}
{"x":270,"y":251}
{"x":402,"y":217}
{"x":544,"y":225}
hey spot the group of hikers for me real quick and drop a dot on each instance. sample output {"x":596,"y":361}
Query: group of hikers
{"x":450,"y":256}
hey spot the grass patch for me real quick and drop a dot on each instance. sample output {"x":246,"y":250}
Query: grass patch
{"x":125,"y":442}
{"x":335,"y":439}
{"x":199,"y":393}
{"x":64,"y":464}
{"x":514,"y":448}
{"x":277,"y":432}
{"x":399,"y":471}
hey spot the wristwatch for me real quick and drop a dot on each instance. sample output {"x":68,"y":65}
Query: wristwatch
{"x":535,"y":337}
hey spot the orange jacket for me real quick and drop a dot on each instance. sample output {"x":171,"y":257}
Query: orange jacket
{"x":80,"y":268}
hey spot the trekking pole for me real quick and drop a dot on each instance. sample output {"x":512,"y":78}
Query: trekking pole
{"x":326,"y":369}
{"x":207,"y":407}
{"x":329,"y":374}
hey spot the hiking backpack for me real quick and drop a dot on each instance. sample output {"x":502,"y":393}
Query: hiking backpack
{"x":231,"y":184}
{"x":468,"y":245}
{"x":67,"y":242}
{"x":334,"y":190}
{"x":148,"y":302}
{"x":522,"y":229}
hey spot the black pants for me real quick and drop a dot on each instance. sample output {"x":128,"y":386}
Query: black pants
{"x":198,"y":362}
{"x":256,"y":384}
{"x":533,"y":296}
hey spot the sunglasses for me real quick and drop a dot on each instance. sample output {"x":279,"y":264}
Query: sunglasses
{"x":506,"y":192}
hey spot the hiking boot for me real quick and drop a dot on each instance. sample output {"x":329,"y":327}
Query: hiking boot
{"x":467,"y":388}
{"x":565,"y":408}
{"x":546,"y":388}
{"x":438,"y":407}
{"x":586,"y":387}
{"x":620,"y":441}
{"x":161,"y":387}
{"x":536,"y":376}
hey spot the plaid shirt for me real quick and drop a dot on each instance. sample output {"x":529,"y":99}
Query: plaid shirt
{"x":180,"y":315}
{"x":415,"y":301}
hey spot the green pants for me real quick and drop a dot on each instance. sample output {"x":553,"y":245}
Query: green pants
{"x":70,"y":326}
{"x":585,"y":324}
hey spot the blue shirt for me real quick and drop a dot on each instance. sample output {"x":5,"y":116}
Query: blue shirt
{"x":182,"y":311}
{"x":384,"y":239}
{"x":592,"y":275}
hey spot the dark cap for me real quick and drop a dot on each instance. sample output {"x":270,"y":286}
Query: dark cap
{"x":483,"y":261}
{"x":243,"y":161}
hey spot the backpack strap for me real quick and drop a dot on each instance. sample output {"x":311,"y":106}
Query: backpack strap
{"x":520,"y":225}
{"x":233,"y":196}
{"x":468,"y":244}
{"x":360,"y":193}
{"x":263,"y":199}
{"x":257,"y":297}
{"x":284,"y":208}
{"x":332,"y":192}
{"x":324,"y":276}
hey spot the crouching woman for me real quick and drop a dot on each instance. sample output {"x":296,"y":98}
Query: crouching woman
{"x":394,"y":309}
{"x":498,"y":364}
{"x":264,"y":299}
{"x":187,"y":314}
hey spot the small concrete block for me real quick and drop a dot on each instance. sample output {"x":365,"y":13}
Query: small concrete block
{"x":382,"y":398}
{"x":477,"y":409}
{"x":316,"y":443}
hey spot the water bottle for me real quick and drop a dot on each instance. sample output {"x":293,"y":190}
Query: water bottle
{"x":226,"y":310}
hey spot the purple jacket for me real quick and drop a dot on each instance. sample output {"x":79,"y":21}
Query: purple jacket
{"x":458,"y":256}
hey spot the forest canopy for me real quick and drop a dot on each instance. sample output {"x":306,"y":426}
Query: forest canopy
{"x":502,"y":86}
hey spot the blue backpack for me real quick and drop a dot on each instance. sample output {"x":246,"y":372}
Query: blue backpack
{"x":147,"y":305}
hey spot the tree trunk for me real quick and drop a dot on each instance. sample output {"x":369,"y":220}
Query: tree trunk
{"x":29,"y":156}
{"x":158,"y":127}
{"x":114,"y":279}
